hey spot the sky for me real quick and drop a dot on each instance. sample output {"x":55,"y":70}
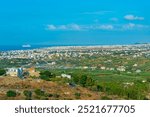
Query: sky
{"x":74,"y":22}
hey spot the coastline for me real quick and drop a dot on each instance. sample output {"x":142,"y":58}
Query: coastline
{"x":19,"y":47}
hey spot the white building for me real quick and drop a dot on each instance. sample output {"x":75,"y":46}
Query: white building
{"x":103,"y":68}
{"x":15,"y":72}
{"x":12,"y":72}
{"x":121,"y":68}
{"x":66,"y":76}
{"x":138,"y":71}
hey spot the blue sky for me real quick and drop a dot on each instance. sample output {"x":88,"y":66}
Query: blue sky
{"x":64,"y":22}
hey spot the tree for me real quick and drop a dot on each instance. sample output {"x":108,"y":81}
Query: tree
{"x":99,"y":88}
{"x":89,"y":81}
{"x":2,"y":72}
{"x":83,"y":80}
{"x":148,"y":79}
{"x":11,"y":93}
{"x":46,"y":75}
{"x":76,"y":79}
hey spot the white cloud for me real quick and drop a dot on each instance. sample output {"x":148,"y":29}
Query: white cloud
{"x":74,"y":27}
{"x":132,"y":26}
{"x":129,"y":26}
{"x":62,"y":27}
{"x":106,"y":27}
{"x":132,"y":17}
{"x":51,"y":27}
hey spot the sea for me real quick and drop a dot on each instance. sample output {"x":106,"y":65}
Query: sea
{"x":20,"y":47}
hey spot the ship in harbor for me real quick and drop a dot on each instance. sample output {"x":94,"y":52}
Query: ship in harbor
{"x":26,"y":46}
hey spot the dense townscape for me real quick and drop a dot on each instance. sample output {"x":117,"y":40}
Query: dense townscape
{"x":62,"y":56}
{"x":103,"y":72}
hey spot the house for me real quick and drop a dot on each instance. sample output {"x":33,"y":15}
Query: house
{"x":138,"y":71}
{"x":85,"y":67}
{"x":112,"y":69}
{"x":103,"y":68}
{"x":144,"y":81}
{"x":15,"y":72}
{"x":66,"y":76}
{"x":12,"y":72}
{"x":128,"y":84}
{"x":135,"y":65}
{"x":121,"y":68}
{"x":33,"y":72}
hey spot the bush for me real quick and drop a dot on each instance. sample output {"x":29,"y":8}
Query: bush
{"x":50,"y":95}
{"x":89,"y":95}
{"x":99,"y":88}
{"x":89,"y":82}
{"x":11,"y":93}
{"x":56,"y":95}
{"x":77,"y":95}
{"x":148,"y":79}
{"x":76,"y":79}
{"x":46,"y":75}
{"x":28,"y":94}
{"x":135,"y":94}
{"x":83,"y":80}
{"x":2,"y":72}
{"x":39,"y":92}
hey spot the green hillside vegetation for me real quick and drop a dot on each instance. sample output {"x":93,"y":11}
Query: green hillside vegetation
{"x":126,"y":86}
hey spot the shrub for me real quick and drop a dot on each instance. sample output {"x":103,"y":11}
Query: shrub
{"x":28,"y":94}
{"x":56,"y":95}
{"x":11,"y":93}
{"x":39,"y":92}
{"x":89,"y":82}
{"x":99,"y":88}
{"x":2,"y":72}
{"x":76,"y":79}
{"x":105,"y":98}
{"x":50,"y":95}
{"x":83,"y":80}
{"x":46,"y":75}
{"x":89,"y":95}
{"x":148,"y":79}
{"x":77,"y":95}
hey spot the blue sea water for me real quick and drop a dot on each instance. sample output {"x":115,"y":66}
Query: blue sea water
{"x":19,"y":47}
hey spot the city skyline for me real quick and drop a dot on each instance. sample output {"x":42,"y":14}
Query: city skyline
{"x":67,"y":22}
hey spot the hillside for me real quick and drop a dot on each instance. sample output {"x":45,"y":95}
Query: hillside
{"x":52,"y":90}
